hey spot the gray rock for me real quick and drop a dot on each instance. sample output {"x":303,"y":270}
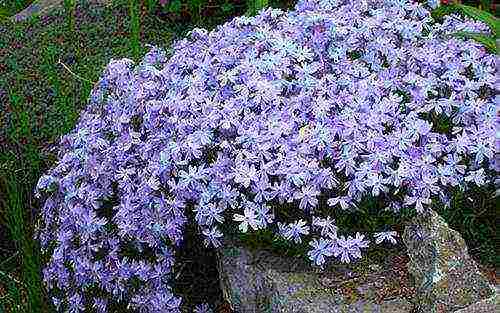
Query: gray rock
{"x":446,"y":277}
{"x":488,"y":305}
{"x":263,"y":282}
{"x":43,"y":7}
{"x":241,"y":282}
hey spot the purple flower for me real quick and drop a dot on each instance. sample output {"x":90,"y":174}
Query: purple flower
{"x":346,"y":249}
{"x":296,"y":230}
{"x":418,"y":201}
{"x":45,"y":182}
{"x":203,"y":308}
{"x":192,"y":177}
{"x":208,"y":213}
{"x":245,"y":174}
{"x":327,"y":225}
{"x":344,"y":202}
{"x":261,"y":188}
{"x":308,"y":197}
{"x":249,"y":218}
{"x":100,"y":305}
{"x":377,"y":184}
{"x":264,"y":215}
{"x":385,"y":236}
{"x":212,"y":237}
{"x":75,"y":303}
{"x":320,"y":249}
{"x":358,"y":241}
{"x":477,"y":177}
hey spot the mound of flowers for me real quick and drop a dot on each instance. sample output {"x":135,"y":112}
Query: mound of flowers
{"x":316,"y":108}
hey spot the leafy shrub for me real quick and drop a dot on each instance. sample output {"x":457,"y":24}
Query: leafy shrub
{"x":195,"y":9}
{"x":275,"y":122}
{"x":12,"y":7}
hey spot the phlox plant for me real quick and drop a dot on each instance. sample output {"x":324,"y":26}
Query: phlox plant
{"x":317,"y":109}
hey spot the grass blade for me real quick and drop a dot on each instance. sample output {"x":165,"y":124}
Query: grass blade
{"x":134,"y":28}
{"x":482,"y":16}
{"x":15,"y":215}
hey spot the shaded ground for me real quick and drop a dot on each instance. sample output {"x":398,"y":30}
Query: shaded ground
{"x":197,"y":278}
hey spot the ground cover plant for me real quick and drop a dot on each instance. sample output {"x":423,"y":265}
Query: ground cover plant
{"x":39,"y":101}
{"x":319,"y":108}
{"x":10,"y":7}
{"x":35,"y":118}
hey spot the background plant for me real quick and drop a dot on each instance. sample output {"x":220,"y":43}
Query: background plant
{"x":11,"y":7}
{"x":134,"y":28}
{"x":489,"y":41}
{"x":255,"y":6}
{"x":69,"y":6}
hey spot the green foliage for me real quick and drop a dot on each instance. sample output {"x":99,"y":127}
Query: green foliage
{"x":195,"y":7}
{"x":4,"y":13}
{"x":174,"y":6}
{"x":369,"y":217}
{"x":17,"y":170}
{"x":14,"y":212}
{"x":227,"y":7}
{"x":11,"y":7}
{"x":135,"y":28}
{"x":470,"y":12}
{"x":151,"y":5}
{"x":254,"y":6}
{"x":483,"y":16}
{"x":69,"y":6}
{"x":487,"y":41}
{"x":485,"y":4}
{"x":12,"y":297}
{"x":473,"y":215}
{"x":265,"y":239}
{"x":474,"y":13}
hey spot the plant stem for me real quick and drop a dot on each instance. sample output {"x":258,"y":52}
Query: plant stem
{"x":72,"y":73}
{"x":69,"y":6}
{"x":134,"y":28}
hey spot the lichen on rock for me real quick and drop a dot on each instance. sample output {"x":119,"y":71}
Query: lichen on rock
{"x":446,"y":277}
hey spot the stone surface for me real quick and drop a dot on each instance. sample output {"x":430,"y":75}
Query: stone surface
{"x":263,"y":282}
{"x":241,"y":283}
{"x":37,"y":7}
{"x":43,"y":7}
{"x":488,"y":305}
{"x":446,"y":278}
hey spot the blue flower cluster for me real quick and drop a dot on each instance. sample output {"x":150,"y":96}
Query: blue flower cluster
{"x":338,"y":99}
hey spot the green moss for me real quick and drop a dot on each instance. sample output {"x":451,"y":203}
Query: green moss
{"x":12,"y":7}
{"x":310,"y":291}
{"x":231,"y":252}
{"x":296,"y":278}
